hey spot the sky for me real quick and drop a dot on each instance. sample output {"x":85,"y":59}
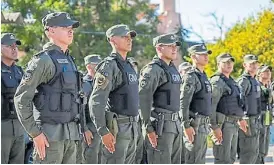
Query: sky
{"x":194,"y":13}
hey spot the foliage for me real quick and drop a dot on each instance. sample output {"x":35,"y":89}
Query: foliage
{"x":95,"y":18}
{"x":254,"y":36}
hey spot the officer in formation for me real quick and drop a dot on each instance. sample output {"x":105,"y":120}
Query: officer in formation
{"x":91,"y":145}
{"x":227,"y":111}
{"x":195,"y":104}
{"x":48,"y":104}
{"x":12,"y":132}
{"x":264,"y":78}
{"x":183,"y":68}
{"x":114,"y":100}
{"x":50,"y":84}
{"x":250,"y":89}
{"x":159,"y":91}
{"x":140,"y":140}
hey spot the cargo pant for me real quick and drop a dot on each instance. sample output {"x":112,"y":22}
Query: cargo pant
{"x":79,"y":157}
{"x":183,"y":153}
{"x":125,"y":146}
{"x":12,"y":142}
{"x":195,"y":153}
{"x":91,"y":153}
{"x":58,"y":152}
{"x":140,"y":144}
{"x":226,"y":152}
{"x":249,"y":144}
{"x":264,"y":139}
{"x":169,"y":144}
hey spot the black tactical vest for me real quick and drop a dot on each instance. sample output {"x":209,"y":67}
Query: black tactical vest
{"x":265,"y":94}
{"x":253,"y":97}
{"x":87,"y":88}
{"x":124,"y":100}
{"x":56,"y":101}
{"x":230,"y":104}
{"x":10,"y":79}
{"x":201,"y":100}
{"x":167,"y":96}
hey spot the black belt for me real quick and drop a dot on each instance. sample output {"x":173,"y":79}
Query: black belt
{"x":166,"y":116}
{"x":232,"y":119}
{"x":130,"y":119}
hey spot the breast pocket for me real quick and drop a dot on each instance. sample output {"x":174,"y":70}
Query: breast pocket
{"x":8,"y":81}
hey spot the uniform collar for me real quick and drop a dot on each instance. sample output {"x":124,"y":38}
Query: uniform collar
{"x":114,"y":53}
{"x":163,"y":62}
{"x":3,"y":65}
{"x":197,"y":70}
{"x":247,"y":74}
{"x":51,"y":46}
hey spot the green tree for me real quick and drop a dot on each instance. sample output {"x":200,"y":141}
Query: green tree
{"x":254,"y":35}
{"x":95,"y":18}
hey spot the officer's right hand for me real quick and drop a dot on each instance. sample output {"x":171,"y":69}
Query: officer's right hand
{"x":88,"y":137}
{"x":218,"y":134}
{"x":189,"y":132}
{"x":243,"y":125}
{"x":152,"y":137}
{"x":40,"y":143}
{"x":109,"y":141}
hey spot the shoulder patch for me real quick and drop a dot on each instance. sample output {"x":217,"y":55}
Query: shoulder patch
{"x":215,"y":79}
{"x":100,"y":80}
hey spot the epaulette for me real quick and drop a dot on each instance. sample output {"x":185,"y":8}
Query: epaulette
{"x":39,"y":53}
{"x":108,"y":58}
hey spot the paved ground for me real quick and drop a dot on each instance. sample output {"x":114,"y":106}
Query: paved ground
{"x":268,"y":160}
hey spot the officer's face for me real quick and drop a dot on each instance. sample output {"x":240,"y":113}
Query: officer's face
{"x":201,"y":59}
{"x":169,"y":51}
{"x":251,"y":67}
{"x":9,"y":51}
{"x":123,"y":43}
{"x":266,"y":74}
{"x":64,"y":35}
{"x":226,"y":67}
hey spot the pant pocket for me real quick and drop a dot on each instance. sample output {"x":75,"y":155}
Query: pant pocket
{"x":154,"y":156}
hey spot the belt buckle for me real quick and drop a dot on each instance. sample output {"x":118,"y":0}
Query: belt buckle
{"x":207,"y":120}
{"x":174,"y":116}
{"x":131,"y":119}
{"x":161,"y":116}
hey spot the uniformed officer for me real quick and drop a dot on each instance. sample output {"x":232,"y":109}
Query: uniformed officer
{"x":50,"y":82}
{"x":91,"y":146}
{"x":195,"y":104}
{"x":140,"y":153}
{"x":227,"y":111}
{"x":12,"y":132}
{"x":264,"y":78}
{"x":250,"y":89}
{"x":183,"y":68}
{"x":159,"y":92}
{"x":114,"y":99}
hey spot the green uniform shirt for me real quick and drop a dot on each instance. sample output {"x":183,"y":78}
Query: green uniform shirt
{"x":219,"y":88}
{"x":191,"y":84}
{"x":151,"y":77}
{"x":40,"y":70}
{"x":107,"y":78}
{"x":245,"y":87}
